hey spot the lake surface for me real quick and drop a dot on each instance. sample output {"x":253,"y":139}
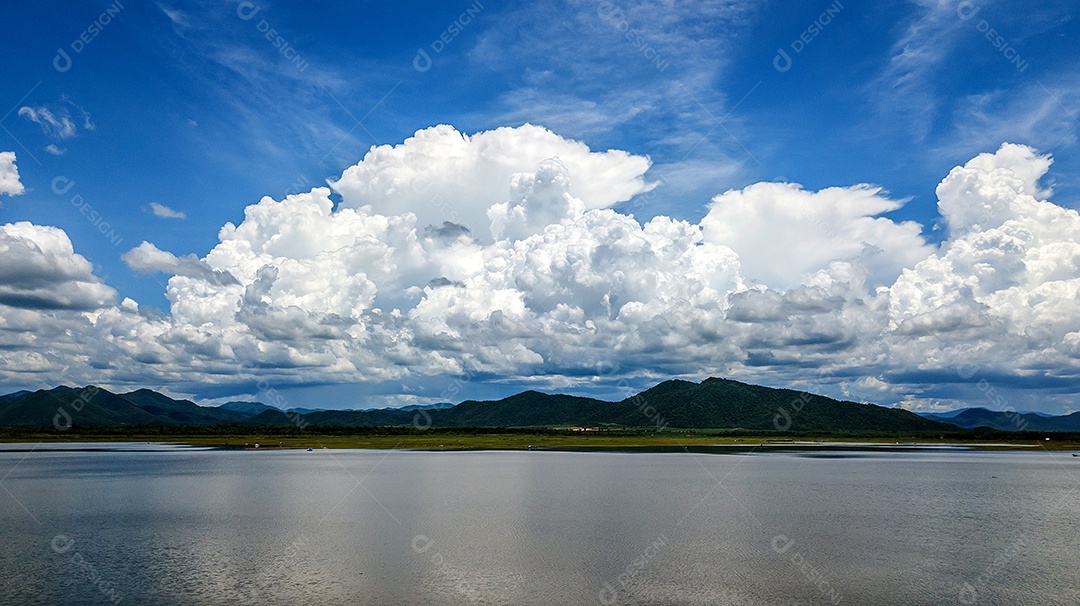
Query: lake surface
{"x":150,"y":524}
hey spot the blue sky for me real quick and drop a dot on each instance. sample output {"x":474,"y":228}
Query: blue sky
{"x":190,"y":106}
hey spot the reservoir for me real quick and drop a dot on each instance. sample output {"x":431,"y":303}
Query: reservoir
{"x":160,"y":524}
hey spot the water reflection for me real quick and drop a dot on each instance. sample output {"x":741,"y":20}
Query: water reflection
{"x":165,"y":525}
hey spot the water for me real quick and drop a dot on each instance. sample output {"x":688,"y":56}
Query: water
{"x":172,"y":525}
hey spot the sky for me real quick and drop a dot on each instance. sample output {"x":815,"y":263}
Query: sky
{"x":355,"y":205}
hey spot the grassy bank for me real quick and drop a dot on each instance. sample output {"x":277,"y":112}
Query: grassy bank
{"x":506,"y":439}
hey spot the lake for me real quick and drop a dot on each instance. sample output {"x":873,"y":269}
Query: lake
{"x":156,"y":524}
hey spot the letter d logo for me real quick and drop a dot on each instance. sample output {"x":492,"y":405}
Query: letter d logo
{"x":62,"y":61}
{"x":422,"y":61}
{"x":247,"y":10}
{"x":781,"y":544}
{"x":782,"y":61}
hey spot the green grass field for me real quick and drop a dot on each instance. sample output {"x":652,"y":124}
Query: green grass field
{"x":515,"y":440}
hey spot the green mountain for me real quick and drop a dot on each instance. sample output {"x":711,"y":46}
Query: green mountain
{"x":183,"y":412}
{"x":93,"y":406}
{"x":727,"y":403}
{"x":247,"y":408}
{"x":63,"y":406}
{"x":529,"y":408}
{"x":711,"y":404}
{"x":971,"y":418}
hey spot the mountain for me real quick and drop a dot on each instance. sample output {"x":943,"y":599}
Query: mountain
{"x":247,"y":408}
{"x":94,"y":406}
{"x":711,"y":404}
{"x":62,"y":406}
{"x":941,"y":416}
{"x":273,"y":416}
{"x":252,"y":409}
{"x":529,"y":408}
{"x":13,"y":396}
{"x":727,"y":403}
{"x":970,"y":418}
{"x":438,"y":406}
{"x":183,"y":412}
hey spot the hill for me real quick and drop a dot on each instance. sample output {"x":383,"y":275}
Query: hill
{"x":94,"y":406}
{"x":248,"y":408}
{"x":184,"y":412}
{"x":61,"y":406}
{"x":711,"y":404}
{"x":732,"y":404}
{"x":971,"y":418}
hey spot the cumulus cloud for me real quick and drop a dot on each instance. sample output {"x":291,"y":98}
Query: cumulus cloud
{"x":440,"y":174}
{"x":1011,"y":270}
{"x":160,"y":210}
{"x":40,"y":270}
{"x":149,"y":258}
{"x":536,"y":200}
{"x":813,"y":289}
{"x":783,"y":233}
{"x":9,"y":175}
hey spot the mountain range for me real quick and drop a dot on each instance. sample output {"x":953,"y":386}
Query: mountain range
{"x":971,"y":418}
{"x":712,"y":404}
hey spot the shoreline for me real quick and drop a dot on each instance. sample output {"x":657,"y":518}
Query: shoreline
{"x":538,"y":442}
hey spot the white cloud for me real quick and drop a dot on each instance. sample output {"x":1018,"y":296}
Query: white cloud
{"x":645,"y":68}
{"x":904,"y":85}
{"x":53,"y":149}
{"x":9,"y":175}
{"x":60,"y":126}
{"x":160,"y":210}
{"x":149,"y":258}
{"x":439,"y":174}
{"x":784,"y":234}
{"x":536,"y":200}
{"x":303,"y":292}
{"x":40,"y":270}
{"x":1039,"y":115}
{"x":1011,"y":267}
{"x":57,"y":121}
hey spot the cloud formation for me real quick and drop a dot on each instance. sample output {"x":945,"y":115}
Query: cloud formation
{"x":544,"y":283}
{"x":40,"y":270}
{"x":440,"y":174}
{"x":9,"y":175}
{"x":784,"y":234}
{"x":160,"y":210}
{"x":1002,"y":291}
{"x":57,"y":122}
{"x":149,"y":258}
